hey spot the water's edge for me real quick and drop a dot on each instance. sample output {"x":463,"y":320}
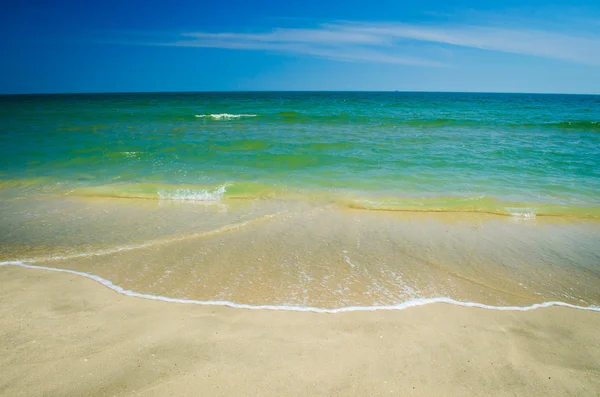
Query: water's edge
{"x":401,"y":306}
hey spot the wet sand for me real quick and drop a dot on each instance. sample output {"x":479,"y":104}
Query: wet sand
{"x":65,"y":335}
{"x":309,"y":254}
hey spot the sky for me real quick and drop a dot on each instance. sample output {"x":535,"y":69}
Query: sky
{"x":66,"y":46}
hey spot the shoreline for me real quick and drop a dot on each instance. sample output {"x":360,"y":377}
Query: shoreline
{"x":303,"y":309}
{"x":65,"y":335}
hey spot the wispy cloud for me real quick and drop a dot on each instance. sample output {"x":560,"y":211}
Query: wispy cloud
{"x":332,"y":42}
{"x":534,"y":42}
{"x":402,"y":43}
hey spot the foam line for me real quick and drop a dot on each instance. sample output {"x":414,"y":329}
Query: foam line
{"x":400,"y":306}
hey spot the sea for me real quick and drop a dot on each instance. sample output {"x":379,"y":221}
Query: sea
{"x":322,"y":201}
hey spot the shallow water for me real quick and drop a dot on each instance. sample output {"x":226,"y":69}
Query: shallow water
{"x":322,"y":200}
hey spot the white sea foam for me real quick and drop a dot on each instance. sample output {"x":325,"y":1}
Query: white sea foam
{"x":208,"y":195}
{"x":224,"y":116}
{"x":400,"y":306}
{"x":348,"y":261}
{"x":523,"y":215}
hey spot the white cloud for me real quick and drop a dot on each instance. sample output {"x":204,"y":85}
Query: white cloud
{"x":332,"y":43}
{"x":583,"y":49}
{"x":319,"y":35}
{"x":401,"y":43}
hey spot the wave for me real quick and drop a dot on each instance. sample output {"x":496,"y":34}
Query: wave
{"x":479,"y":204}
{"x":568,"y":124}
{"x":255,"y":191}
{"x":224,"y":116}
{"x":208,"y":195}
{"x":377,"y":118}
{"x":577,"y":125}
{"x":400,"y":306}
{"x":390,"y":120}
{"x":443,"y":122}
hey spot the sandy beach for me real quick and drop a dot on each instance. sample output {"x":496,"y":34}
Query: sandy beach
{"x":300,"y":198}
{"x":65,"y":335}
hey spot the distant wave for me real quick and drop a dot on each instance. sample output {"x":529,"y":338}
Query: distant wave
{"x":572,"y":124}
{"x":577,"y":124}
{"x":224,"y":116}
{"x":391,"y":120}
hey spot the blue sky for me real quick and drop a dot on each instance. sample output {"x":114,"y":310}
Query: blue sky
{"x":154,"y":45}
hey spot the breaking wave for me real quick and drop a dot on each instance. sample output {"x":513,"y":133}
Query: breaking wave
{"x":209,"y":195}
{"x":224,"y":116}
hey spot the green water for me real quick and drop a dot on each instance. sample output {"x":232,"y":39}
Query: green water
{"x":506,"y":152}
{"x":322,"y":200}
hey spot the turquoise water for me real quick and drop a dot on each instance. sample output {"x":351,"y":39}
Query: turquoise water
{"x":500,"y":150}
{"x":308,"y":200}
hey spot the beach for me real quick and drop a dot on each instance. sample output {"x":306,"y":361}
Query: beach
{"x":313,"y":243}
{"x":65,"y":335}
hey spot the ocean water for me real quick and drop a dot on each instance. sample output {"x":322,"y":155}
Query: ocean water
{"x":322,"y":200}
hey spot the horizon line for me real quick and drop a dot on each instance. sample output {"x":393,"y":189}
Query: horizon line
{"x":292,"y":91}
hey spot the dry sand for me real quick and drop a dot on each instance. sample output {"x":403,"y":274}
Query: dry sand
{"x":65,"y":335}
